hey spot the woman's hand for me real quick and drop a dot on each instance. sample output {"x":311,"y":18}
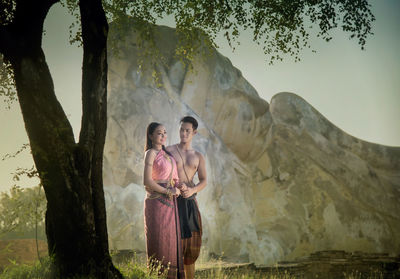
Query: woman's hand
{"x":175,"y":191}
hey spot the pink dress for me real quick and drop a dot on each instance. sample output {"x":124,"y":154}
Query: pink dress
{"x":161,"y":221}
{"x":162,"y":167}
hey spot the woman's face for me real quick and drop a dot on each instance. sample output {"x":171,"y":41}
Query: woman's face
{"x":159,"y":136}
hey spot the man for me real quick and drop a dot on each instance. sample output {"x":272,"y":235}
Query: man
{"x":189,"y":162}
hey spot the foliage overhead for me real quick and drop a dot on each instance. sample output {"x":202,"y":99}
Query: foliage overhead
{"x":7,"y":87}
{"x":280,"y":27}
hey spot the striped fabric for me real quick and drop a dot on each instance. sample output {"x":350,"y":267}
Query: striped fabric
{"x":191,"y":246}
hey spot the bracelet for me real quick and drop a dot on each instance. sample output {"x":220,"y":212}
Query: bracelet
{"x":168,"y":193}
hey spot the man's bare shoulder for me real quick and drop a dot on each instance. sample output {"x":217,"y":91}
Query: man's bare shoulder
{"x":171,"y":148}
{"x":198,"y":154}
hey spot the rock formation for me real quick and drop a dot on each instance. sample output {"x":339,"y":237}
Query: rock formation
{"x":283,"y":181}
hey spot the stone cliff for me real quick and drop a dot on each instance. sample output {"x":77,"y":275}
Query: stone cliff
{"x":283,"y":181}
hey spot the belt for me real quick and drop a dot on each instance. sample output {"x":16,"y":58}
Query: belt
{"x":164,"y":183}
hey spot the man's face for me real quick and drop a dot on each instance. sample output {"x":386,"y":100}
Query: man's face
{"x":186,"y":132}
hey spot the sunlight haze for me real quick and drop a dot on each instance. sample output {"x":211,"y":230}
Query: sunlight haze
{"x":358,"y":91}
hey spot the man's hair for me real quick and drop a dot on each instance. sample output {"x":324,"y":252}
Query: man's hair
{"x":191,"y":120}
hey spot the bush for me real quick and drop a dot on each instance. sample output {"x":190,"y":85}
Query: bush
{"x":39,"y":270}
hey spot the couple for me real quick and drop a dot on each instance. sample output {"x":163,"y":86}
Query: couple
{"x":171,"y":215}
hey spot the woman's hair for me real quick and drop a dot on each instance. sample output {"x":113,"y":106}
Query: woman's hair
{"x":149,"y":131}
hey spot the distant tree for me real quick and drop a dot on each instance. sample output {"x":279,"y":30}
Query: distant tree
{"x":22,"y":212}
{"x":71,"y":172}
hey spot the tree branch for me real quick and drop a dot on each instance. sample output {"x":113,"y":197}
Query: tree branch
{"x":94,"y":110}
{"x":7,"y":40}
{"x":94,"y":72}
{"x":29,"y":19}
{"x":45,"y":121}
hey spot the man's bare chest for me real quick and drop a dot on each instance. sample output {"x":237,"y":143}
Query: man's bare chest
{"x":187,"y":159}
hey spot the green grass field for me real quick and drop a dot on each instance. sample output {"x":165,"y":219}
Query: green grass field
{"x":136,"y":269}
{"x":18,"y":260}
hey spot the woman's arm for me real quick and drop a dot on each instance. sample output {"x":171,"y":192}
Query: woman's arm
{"x":148,"y":181}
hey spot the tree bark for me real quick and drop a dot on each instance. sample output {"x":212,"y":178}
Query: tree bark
{"x":71,"y":173}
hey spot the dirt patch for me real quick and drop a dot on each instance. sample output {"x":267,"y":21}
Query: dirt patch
{"x":333,"y":264}
{"x":20,"y":251}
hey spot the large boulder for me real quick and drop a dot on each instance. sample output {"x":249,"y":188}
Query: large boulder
{"x":283,"y":181}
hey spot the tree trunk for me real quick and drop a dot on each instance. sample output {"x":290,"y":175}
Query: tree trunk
{"x":71,"y":173}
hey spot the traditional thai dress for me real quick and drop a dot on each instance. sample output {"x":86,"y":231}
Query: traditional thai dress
{"x":161,"y":221}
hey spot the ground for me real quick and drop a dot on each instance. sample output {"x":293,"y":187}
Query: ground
{"x":323,"y":264}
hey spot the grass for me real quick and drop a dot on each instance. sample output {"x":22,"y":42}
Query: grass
{"x":240,"y":273}
{"x":135,"y":268}
{"x":36,"y":270}
{"x":358,"y":275}
{"x":42,"y":271}
{"x":219,"y":269}
{"x":132,"y":269}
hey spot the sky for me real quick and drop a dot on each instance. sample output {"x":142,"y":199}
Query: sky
{"x":358,"y":91}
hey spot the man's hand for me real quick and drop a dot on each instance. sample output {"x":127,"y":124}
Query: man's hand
{"x":188,"y":192}
{"x":176,"y":191}
{"x":182,"y":186}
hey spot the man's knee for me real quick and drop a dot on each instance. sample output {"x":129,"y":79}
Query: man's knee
{"x":191,"y":248}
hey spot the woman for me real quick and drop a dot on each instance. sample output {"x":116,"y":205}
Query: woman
{"x":161,"y":222}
